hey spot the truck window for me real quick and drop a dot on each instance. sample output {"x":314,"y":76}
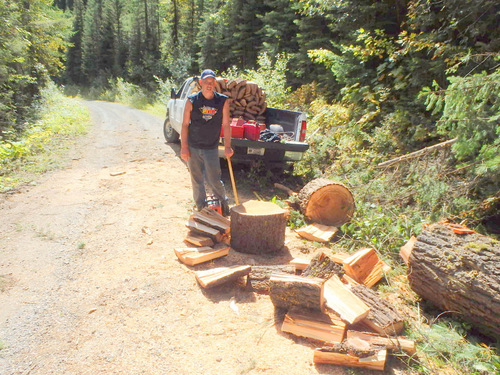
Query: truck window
{"x":188,"y":89}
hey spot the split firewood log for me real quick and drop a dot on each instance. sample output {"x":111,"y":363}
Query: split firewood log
{"x":326,"y":202}
{"x":458,"y":273}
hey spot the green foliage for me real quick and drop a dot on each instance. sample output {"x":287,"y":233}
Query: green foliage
{"x":35,"y":151}
{"x":296,"y":219}
{"x":125,"y":93}
{"x":446,"y":341}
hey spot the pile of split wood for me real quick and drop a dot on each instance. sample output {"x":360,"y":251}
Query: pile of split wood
{"x":248,"y":100}
{"x":327,"y":300}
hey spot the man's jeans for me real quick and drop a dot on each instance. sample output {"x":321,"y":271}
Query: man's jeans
{"x":205,"y":165}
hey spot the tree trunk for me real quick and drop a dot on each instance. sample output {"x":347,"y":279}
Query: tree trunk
{"x":258,"y":227}
{"x":326,"y":202}
{"x":459,"y":273}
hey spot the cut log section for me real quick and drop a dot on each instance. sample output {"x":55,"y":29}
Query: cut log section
{"x":258,"y":227}
{"x":260,"y":275}
{"x":199,"y":240}
{"x":314,"y":325}
{"x":323,"y":267}
{"x":341,"y":300}
{"x":221,"y":275}
{"x":459,"y":273}
{"x":196,"y":255}
{"x":365,"y":267}
{"x":204,"y":230}
{"x":287,"y":291}
{"x":383,"y":318}
{"x":204,"y":219}
{"x":332,"y":356}
{"x":396,"y":344}
{"x":326,"y":202}
{"x":300,"y":264}
{"x":317,"y":232}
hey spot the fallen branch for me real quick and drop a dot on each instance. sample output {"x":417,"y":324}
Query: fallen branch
{"x":417,"y":154}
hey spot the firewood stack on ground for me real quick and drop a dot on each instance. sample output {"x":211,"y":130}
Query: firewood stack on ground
{"x":248,"y":100}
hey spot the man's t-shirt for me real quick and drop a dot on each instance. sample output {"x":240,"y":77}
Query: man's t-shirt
{"x":206,"y":120}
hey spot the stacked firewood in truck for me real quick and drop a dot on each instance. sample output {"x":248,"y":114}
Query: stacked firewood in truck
{"x":248,"y":100}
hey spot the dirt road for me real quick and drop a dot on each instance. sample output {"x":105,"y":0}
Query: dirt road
{"x":89,"y":283}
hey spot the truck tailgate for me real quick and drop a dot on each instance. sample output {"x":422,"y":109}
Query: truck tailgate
{"x":247,"y":150}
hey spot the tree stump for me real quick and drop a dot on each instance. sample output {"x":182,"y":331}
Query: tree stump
{"x":459,"y":273}
{"x":326,"y":202}
{"x":258,"y":227}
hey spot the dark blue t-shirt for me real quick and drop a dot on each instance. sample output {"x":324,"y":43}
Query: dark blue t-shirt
{"x":206,"y":120}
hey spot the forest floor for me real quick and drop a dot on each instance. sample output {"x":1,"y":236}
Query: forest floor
{"x":89,"y":282}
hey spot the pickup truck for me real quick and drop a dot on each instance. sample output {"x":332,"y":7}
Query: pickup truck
{"x":292,"y":126}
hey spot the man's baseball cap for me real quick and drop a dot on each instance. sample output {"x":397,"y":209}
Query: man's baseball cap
{"x":207,"y":73}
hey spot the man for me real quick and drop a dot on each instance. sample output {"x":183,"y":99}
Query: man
{"x":204,"y":115}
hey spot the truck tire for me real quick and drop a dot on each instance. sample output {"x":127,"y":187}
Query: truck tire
{"x":171,"y":136}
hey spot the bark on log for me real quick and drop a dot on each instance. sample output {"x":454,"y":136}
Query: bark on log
{"x":326,"y":202}
{"x":260,"y":275}
{"x":323,"y":267}
{"x":287,"y":291}
{"x":459,"y":273}
{"x":258,"y":227}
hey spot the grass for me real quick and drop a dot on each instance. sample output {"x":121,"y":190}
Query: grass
{"x":40,"y":148}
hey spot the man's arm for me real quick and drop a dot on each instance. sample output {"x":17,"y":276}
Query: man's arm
{"x":186,"y":119}
{"x":228,"y":151}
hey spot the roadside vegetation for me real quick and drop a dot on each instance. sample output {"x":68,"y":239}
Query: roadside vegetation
{"x":41,"y":146}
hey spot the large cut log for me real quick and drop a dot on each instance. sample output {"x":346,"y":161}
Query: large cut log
{"x":383,"y":318}
{"x":326,"y":202}
{"x":260,"y":275}
{"x":459,"y":273}
{"x":221,"y":275}
{"x":341,"y":300}
{"x":314,"y":325}
{"x":287,"y":291}
{"x":258,"y":227}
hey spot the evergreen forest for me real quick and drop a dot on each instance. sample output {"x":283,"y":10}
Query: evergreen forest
{"x":377,"y":78}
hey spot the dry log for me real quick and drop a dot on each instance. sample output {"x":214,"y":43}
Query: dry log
{"x":326,"y":202}
{"x":314,"y":325}
{"x":258,"y":227}
{"x":323,"y":267}
{"x":221,"y":275}
{"x":287,"y":291}
{"x":341,"y":300}
{"x":202,"y":218}
{"x":260,"y":275}
{"x":204,"y":230}
{"x":196,"y":255}
{"x":383,"y":318}
{"x":338,"y":356}
{"x":317,"y":232}
{"x":397,"y":344}
{"x":365,"y":267}
{"x":459,"y":273}
{"x":199,"y":240}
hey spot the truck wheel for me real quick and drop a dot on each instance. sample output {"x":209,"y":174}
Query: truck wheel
{"x":169,"y":132}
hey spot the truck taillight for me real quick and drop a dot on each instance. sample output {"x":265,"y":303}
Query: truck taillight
{"x":303,"y":128}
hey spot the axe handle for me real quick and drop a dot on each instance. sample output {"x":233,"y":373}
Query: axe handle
{"x":230,"y":165}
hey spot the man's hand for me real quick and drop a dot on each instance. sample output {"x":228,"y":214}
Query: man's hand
{"x":185,"y":154}
{"x":228,"y":151}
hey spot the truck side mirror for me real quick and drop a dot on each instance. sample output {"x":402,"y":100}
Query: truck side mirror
{"x":172,"y":94}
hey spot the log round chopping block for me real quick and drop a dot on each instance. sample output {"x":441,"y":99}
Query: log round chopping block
{"x":258,"y":227}
{"x":326,"y":202}
{"x":459,"y":273}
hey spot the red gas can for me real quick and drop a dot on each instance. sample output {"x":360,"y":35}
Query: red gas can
{"x":252,"y":131}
